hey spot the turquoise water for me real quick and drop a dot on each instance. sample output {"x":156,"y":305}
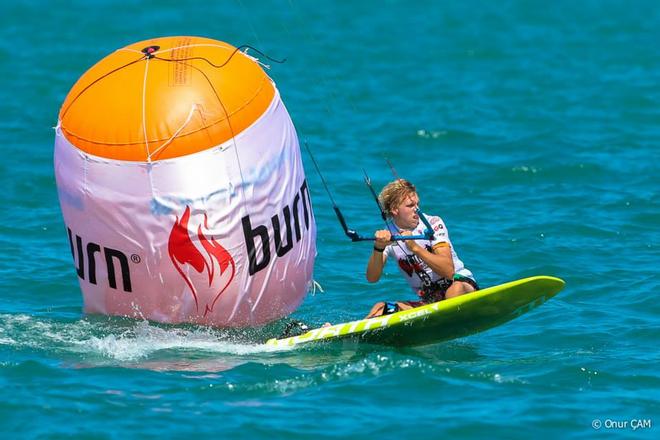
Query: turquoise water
{"x":532,"y":128}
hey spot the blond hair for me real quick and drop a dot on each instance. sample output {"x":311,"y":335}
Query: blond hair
{"x":394,"y":193}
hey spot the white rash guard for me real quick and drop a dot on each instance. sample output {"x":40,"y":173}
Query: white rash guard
{"x":408,"y":262}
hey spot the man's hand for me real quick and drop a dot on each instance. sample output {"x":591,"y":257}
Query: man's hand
{"x":383,"y":238}
{"x":411,"y":244}
{"x":377,"y":258}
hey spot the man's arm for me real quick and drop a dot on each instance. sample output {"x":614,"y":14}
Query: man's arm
{"x":439,"y":260}
{"x":377,"y":258}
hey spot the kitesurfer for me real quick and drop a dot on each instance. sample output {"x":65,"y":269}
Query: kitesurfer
{"x":431,"y":267}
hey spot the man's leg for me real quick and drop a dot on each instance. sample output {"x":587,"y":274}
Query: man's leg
{"x":376,"y":310}
{"x":404,"y":305}
{"x":379,"y":308}
{"x":458,"y":288}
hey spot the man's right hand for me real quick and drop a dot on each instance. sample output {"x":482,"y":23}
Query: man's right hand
{"x":383,"y":238}
{"x":377,"y":258}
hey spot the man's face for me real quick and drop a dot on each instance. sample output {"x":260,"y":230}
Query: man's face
{"x":405,"y":214}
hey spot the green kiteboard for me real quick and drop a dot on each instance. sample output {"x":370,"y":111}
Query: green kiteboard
{"x":441,"y":321}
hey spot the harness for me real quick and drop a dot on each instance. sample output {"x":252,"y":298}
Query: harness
{"x":435,"y":290}
{"x":431,"y":291}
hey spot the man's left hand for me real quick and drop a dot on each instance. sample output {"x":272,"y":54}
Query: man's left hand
{"x":411,"y":244}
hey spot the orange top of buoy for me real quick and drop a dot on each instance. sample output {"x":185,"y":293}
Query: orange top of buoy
{"x":165,"y":98}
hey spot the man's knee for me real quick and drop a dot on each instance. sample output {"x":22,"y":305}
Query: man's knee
{"x":458,"y":288}
{"x":403,"y":306}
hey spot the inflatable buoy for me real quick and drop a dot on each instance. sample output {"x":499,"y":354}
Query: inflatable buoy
{"x":182,"y":187}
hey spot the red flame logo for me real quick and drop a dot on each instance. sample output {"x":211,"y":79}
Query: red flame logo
{"x":409,"y":268}
{"x":183,"y":252}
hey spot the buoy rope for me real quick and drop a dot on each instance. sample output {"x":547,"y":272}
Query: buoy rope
{"x":176,"y":133}
{"x":105,"y":75}
{"x":144,"y":109}
{"x":147,"y":56}
{"x":218,"y":66}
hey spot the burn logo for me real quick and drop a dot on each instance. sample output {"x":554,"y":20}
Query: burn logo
{"x":82,"y":253}
{"x":213,"y":266}
{"x":282,"y":245}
